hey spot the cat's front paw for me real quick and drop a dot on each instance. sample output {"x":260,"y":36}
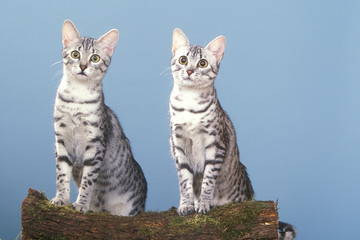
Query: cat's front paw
{"x":81,"y":207}
{"x":59,"y":201}
{"x":185,"y":209}
{"x":203,"y":207}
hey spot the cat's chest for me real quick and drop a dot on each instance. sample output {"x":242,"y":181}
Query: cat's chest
{"x":77,"y":126}
{"x":77,"y":99}
{"x":77,"y":116}
{"x":77,"y":130}
{"x":75,"y":111}
{"x":191,"y":110}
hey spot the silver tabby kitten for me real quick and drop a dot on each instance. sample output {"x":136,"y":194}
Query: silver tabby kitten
{"x":90,"y":144}
{"x":203,"y":140}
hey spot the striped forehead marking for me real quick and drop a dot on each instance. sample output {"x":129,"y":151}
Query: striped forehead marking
{"x":195,"y":51}
{"x":87,"y":43}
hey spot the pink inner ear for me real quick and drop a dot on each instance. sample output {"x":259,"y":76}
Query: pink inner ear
{"x":179,"y":40}
{"x":70,"y":33}
{"x":109,"y":51}
{"x":217,"y":47}
{"x":66,"y":42}
{"x":108,"y":41}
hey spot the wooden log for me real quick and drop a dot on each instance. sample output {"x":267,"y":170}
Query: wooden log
{"x":248,"y":220}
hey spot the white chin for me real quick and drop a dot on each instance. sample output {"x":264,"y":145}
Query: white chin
{"x":82,"y":77}
{"x":187,"y":82}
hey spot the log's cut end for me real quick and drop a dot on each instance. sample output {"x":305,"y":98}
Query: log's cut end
{"x":248,"y":220}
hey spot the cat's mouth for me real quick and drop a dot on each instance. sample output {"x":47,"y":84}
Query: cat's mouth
{"x":82,"y":73}
{"x":187,"y":79}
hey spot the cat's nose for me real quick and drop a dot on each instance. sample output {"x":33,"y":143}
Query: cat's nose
{"x":83,"y":67}
{"x":189,"y":72}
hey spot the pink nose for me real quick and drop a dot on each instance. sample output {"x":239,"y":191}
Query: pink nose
{"x":189,"y":72}
{"x":82,"y":67}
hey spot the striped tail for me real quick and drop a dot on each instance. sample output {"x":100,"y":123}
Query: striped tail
{"x":286,"y":231}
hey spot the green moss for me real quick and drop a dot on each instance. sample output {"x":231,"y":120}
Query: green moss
{"x":151,"y":230}
{"x":178,"y":225}
{"x":35,"y":217}
{"x":102,"y":214}
{"x":237,"y":223}
{"x":228,"y":223}
{"x":47,"y":206}
{"x":196,"y":224}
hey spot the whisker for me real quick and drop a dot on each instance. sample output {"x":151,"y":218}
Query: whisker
{"x":59,"y":73}
{"x":56,"y":63}
{"x":168,"y":68}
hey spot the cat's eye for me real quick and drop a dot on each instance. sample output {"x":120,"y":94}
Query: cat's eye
{"x":202,"y":63}
{"x":95,"y":58}
{"x":183,"y":60}
{"x":75,"y":54}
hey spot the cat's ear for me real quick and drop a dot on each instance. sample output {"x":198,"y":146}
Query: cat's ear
{"x":217,"y":47}
{"x":179,"y":40}
{"x":70,"y":33}
{"x":108,"y":41}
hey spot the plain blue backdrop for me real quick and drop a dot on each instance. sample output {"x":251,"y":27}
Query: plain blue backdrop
{"x":290,"y":81}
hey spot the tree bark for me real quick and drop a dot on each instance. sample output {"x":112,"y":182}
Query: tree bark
{"x":248,"y":220}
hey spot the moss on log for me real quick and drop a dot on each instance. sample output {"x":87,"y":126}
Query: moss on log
{"x":248,"y":220}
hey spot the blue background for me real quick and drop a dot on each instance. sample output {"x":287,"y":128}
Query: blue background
{"x":290,"y":81}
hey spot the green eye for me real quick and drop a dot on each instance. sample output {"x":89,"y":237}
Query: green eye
{"x":75,"y":54}
{"x":202,"y":63}
{"x":95,"y":58}
{"x":183,"y":60}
